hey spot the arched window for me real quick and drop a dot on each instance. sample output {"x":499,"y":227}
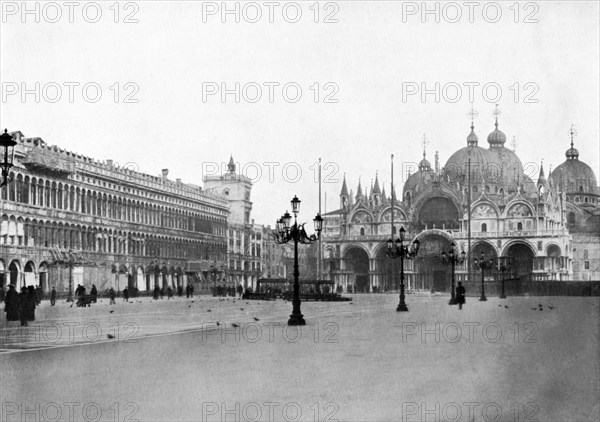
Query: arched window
{"x":585,"y":199}
{"x":484,"y":228}
{"x":576,"y":199}
{"x":519,"y":226}
{"x":362,"y":231}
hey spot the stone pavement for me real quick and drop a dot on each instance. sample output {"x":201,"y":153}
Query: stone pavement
{"x":500,"y":360}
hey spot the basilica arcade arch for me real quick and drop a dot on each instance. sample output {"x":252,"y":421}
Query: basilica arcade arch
{"x":356,"y":266}
{"x":431,"y":273}
{"x":438,"y":212}
{"x":521,"y":257}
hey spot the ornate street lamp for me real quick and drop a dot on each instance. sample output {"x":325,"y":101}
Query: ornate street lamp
{"x":398,"y":249}
{"x":503,"y":268}
{"x":296,"y":233}
{"x":7,"y":145}
{"x":483,"y":264}
{"x":452,"y":258}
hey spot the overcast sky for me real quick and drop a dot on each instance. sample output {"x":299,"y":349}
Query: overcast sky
{"x":353,"y":67}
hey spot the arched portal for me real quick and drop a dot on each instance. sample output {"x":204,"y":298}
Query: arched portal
{"x":357,"y":263}
{"x":438,"y":212}
{"x":431,"y":273}
{"x":521,"y":258}
{"x":15,"y":269}
{"x":488,"y":251}
{"x":29,"y":274}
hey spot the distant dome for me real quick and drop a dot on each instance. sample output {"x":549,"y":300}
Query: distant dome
{"x":424,"y":165}
{"x":574,"y":176}
{"x":417,"y":182}
{"x":497,"y":137}
{"x":456,"y":167}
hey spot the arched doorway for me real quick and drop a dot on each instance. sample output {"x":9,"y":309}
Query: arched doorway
{"x":553,"y":261}
{"x":387,"y":271}
{"x":488,"y":251}
{"x":3,"y":277}
{"x":357,"y":263}
{"x":438,"y":213}
{"x":14,"y":270}
{"x":29,"y":274}
{"x":521,"y":259}
{"x":43,"y":275}
{"x":431,"y":273}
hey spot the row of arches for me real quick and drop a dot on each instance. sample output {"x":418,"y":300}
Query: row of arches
{"x":371,"y":270}
{"x":64,"y":196}
{"x":45,"y":233}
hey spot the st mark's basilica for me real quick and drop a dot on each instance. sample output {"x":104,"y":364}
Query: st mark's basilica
{"x":544,"y":229}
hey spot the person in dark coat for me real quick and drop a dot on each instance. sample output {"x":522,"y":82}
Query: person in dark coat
{"x":169,"y":293}
{"x":23,"y":306}
{"x":94,"y":293}
{"x":180,"y":291}
{"x":125,"y":294}
{"x":460,"y":295}
{"x":156,"y":292}
{"x":1,"y":294}
{"x":11,"y":306}
{"x":187,"y":291}
{"x":53,"y":297}
{"x":191,"y":290}
{"x":111,"y":295}
{"x":31,"y":303}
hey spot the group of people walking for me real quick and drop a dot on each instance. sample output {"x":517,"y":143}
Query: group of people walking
{"x":20,"y":306}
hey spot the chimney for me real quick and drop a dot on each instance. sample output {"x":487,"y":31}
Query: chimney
{"x":165,"y":173}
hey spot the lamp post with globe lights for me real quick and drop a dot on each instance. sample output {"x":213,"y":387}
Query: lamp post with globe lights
{"x":397,"y":249}
{"x":483,"y":264}
{"x":296,"y":233}
{"x":503,"y":268}
{"x":452,"y":258}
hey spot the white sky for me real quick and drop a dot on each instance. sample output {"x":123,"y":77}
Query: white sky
{"x":369,"y":54}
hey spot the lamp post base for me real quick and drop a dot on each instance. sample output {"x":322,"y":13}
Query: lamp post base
{"x":402,"y":307}
{"x":452,"y":301}
{"x":70,"y":298}
{"x":296,"y":319}
{"x":503,"y":296}
{"x":482,"y":298}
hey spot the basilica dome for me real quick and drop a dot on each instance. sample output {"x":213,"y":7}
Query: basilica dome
{"x":574,"y":176}
{"x":456,"y":168}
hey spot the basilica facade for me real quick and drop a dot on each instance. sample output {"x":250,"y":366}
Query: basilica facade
{"x":481,"y":202}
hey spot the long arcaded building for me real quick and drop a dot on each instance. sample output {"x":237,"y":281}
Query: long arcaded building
{"x":70,"y":217}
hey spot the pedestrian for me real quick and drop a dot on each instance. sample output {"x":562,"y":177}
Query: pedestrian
{"x":180,"y":291}
{"x":187,"y":291}
{"x":23,"y":306}
{"x":191,"y":290}
{"x":111,"y":295}
{"x":156,"y":292}
{"x":31,"y":303}
{"x":78,"y":290}
{"x":11,"y":304}
{"x":1,"y":294}
{"x":240,"y":290}
{"x":460,"y":295}
{"x":53,"y":297}
{"x":125,"y":295}
{"x":162,"y":293}
{"x":169,"y":293}
{"x":94,"y":293}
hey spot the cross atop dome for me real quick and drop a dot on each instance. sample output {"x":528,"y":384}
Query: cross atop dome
{"x":472,"y":139}
{"x":497,"y":138}
{"x":497,"y":113}
{"x":572,"y":153}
